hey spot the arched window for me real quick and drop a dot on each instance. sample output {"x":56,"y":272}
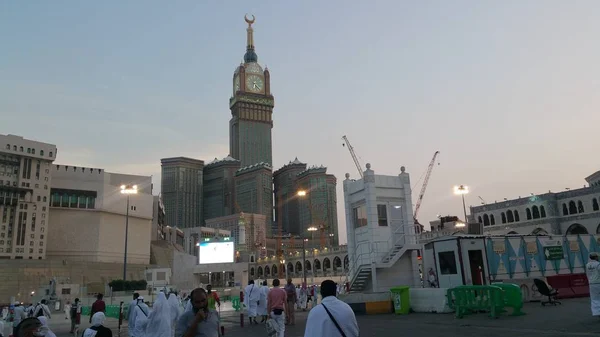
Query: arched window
{"x":267,"y":271}
{"x":298,"y":266}
{"x":565,"y":210}
{"x":503,"y":216}
{"x":486,"y":220}
{"x":8,"y":146}
{"x":580,"y":208}
{"x":252,"y":271}
{"x":479,"y":218}
{"x":337,"y":263}
{"x":542,"y":211}
{"x":346,"y":262}
{"x":509,"y":216}
{"x":536,"y":212}
{"x":41,"y":152}
{"x":517,"y":218}
{"x":492,"y":220}
{"x":539,"y":231}
{"x":290,"y":267}
{"x":576,"y":229}
{"x":317,"y":264}
{"x":14,"y":148}
{"x":307,"y":265}
{"x":528,"y":213}
{"x":21,"y":149}
{"x":572,"y":207}
{"x":274,"y":270}
{"x":326,"y":264}
{"x":260,"y":271}
{"x":595,"y":206}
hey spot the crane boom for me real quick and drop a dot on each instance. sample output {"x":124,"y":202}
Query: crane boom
{"x":424,"y":187}
{"x":351,"y":149}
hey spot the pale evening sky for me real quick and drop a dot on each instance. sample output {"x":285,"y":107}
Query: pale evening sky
{"x":508,"y":91}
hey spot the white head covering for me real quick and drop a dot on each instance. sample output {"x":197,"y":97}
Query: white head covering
{"x":159,"y":320}
{"x":44,"y":322}
{"x":188,"y":305}
{"x":175,"y":307}
{"x":98,"y":318}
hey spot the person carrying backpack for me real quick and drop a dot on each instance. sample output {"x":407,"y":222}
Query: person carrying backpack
{"x":75,"y":313}
{"x":42,"y":310}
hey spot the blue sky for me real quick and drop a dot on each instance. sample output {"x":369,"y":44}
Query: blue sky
{"x":507,"y":91}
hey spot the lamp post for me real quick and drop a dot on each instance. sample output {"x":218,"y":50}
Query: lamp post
{"x":462,"y":190}
{"x":127,"y":190}
{"x":304,"y":260}
{"x":312,"y":230}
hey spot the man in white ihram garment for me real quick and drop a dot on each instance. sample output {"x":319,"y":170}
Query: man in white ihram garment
{"x":159,"y":321}
{"x":592,"y":270}
{"x":139,"y":318}
{"x":331,"y":318}
{"x":262,"y":303}
{"x":251,"y":300}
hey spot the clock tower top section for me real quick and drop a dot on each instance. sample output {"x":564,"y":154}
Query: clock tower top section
{"x":249,"y":77}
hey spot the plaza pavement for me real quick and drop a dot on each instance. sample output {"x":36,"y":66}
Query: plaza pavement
{"x":573,"y":318}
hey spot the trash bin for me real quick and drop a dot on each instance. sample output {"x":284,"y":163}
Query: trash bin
{"x":401,"y":299}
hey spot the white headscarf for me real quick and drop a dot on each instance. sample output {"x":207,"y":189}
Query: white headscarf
{"x":175,"y":308}
{"x":98,"y":318}
{"x":159,"y":320}
{"x":44,"y":322}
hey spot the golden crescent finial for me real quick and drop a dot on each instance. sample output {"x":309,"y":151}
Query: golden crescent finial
{"x":250,"y":22}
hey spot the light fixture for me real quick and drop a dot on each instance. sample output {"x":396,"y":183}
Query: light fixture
{"x":301,"y":193}
{"x":128,"y":189}
{"x":461,"y":189}
{"x":459,"y":224}
{"x":311,"y":228}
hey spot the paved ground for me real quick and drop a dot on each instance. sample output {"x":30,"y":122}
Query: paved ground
{"x":573,"y":318}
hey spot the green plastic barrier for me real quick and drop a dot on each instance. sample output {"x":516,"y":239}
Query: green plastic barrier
{"x":467,"y":299}
{"x":401,"y":299}
{"x":513,"y":297}
{"x":235,"y":302}
{"x":85,"y":311}
{"x":112,"y":311}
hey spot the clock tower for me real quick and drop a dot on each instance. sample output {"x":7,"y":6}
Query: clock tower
{"x":251,"y":109}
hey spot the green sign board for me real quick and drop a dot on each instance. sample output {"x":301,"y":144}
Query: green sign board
{"x":553,"y":252}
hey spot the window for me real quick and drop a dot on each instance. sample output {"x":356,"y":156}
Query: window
{"x":161,"y":276}
{"x":536,"y":212}
{"x":503,"y":217}
{"x":8,"y":146}
{"x":360,"y":216}
{"x":41,"y":251}
{"x":447,"y":263}
{"x":45,"y":178}
{"x":149,"y":277}
{"x":15,"y":148}
{"x":21,"y":149}
{"x":517,"y":217}
{"x":572,"y":207}
{"x":382,"y":219}
{"x":32,"y":151}
{"x":565,"y":210}
{"x":486,"y":220}
{"x":45,"y":187}
{"x":50,"y":155}
{"x":580,"y":206}
{"x":542,"y":211}
{"x":39,"y":198}
{"x":479,"y":219}
{"x":595,"y":205}
{"x":492,"y":220}
{"x":66,"y":291}
{"x":42,"y":236}
{"x":30,"y":250}
{"x":32,"y":236}
{"x":528,"y":213}
{"x":41,"y":243}
{"x":45,"y":199}
{"x":28,"y":150}
{"x":41,"y":152}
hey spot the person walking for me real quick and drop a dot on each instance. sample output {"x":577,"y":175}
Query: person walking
{"x":18,"y":316}
{"x":303,"y":297}
{"x":67,"y":310}
{"x":97,"y":329}
{"x":139,"y":318}
{"x":42,"y":310}
{"x":290,"y":291}
{"x":251,"y":299}
{"x":130,"y":312}
{"x":262,"y":304}
{"x":213,"y":298}
{"x":75,"y":315}
{"x":332,"y":317}
{"x":45,"y":328}
{"x":98,"y":306}
{"x":175,"y":310}
{"x":159,"y":320}
{"x":592,"y":270}
{"x":200,"y":321}
{"x":276,"y":306}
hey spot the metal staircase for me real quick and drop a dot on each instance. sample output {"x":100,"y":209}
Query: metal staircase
{"x":361,"y":278}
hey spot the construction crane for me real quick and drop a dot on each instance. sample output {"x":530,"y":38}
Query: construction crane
{"x":351,"y":149}
{"x":424,"y":187}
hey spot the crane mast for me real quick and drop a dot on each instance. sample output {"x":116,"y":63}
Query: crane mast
{"x":351,"y":149}
{"x":424,"y":187}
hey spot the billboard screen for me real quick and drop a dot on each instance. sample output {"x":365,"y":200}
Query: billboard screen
{"x":216,"y":252}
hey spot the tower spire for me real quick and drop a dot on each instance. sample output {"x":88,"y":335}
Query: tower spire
{"x":250,"y":55}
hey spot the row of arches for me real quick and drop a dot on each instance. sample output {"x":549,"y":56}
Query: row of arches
{"x":290,"y":267}
{"x":579,"y":207}
{"x":511,"y":216}
{"x":574,"y":229}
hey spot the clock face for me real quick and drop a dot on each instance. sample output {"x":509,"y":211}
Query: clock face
{"x":254,"y":83}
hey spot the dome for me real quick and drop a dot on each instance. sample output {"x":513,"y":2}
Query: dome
{"x":250,"y":56}
{"x":254,"y":68}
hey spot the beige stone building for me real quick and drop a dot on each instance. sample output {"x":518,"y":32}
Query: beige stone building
{"x":24,"y":195}
{"x":88,"y":213}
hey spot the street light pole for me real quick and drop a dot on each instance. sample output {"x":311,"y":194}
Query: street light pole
{"x":304,"y":260}
{"x":127,"y":189}
{"x":462,"y":190}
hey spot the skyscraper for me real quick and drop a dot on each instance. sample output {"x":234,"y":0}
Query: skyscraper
{"x":181,"y":190}
{"x":286,"y":198}
{"x":219,"y":187}
{"x":251,"y":109}
{"x":254,"y":191}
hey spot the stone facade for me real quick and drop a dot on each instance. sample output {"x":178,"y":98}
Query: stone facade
{"x":80,"y":230}
{"x":25,"y":180}
{"x":569,"y":212}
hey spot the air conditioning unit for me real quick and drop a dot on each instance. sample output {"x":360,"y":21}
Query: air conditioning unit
{"x":475,"y":228}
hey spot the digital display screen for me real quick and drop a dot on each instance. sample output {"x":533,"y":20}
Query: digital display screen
{"x":216,"y":252}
